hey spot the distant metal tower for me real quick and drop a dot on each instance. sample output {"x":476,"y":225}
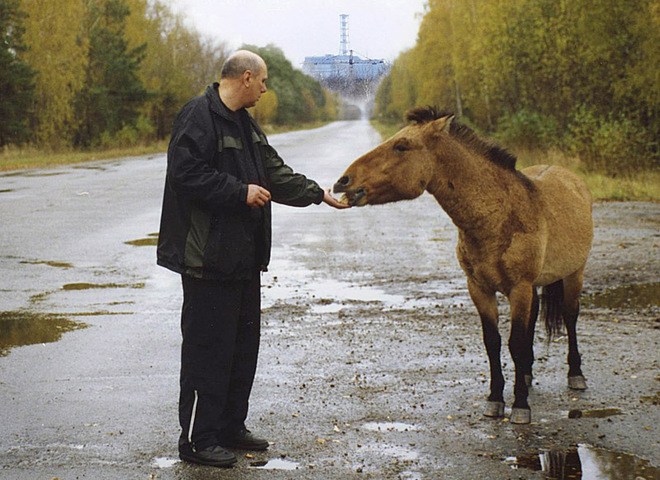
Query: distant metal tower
{"x":343,"y":39}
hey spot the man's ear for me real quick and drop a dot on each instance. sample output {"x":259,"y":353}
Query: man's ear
{"x":247,"y":77}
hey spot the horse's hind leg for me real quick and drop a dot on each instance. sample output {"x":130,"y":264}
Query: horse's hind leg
{"x":486,"y":303}
{"x":570,"y":311}
{"x":527,"y":368}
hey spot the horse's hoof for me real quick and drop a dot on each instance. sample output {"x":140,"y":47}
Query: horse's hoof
{"x":528,"y":380}
{"x":577,"y":382}
{"x":521,"y":416}
{"x":494,"y":409}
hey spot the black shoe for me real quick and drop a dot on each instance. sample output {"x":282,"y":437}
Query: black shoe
{"x":244,"y":440}
{"x":215,"y":456}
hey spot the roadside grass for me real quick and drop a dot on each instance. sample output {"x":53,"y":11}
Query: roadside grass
{"x":275,"y":129}
{"x":635,"y":186}
{"x":27,"y":158}
{"x":13,"y":158}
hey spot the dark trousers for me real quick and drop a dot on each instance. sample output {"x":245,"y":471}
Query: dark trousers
{"x":220,"y":324}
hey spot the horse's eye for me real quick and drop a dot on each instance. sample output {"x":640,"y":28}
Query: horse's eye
{"x":401,"y":147}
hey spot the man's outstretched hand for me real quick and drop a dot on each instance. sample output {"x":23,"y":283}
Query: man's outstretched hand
{"x":332,"y":201}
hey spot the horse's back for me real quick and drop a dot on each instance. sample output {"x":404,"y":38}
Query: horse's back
{"x":567,"y":207}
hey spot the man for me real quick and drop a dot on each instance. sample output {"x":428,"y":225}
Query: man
{"x":216,"y":232}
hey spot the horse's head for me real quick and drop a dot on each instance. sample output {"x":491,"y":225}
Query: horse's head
{"x":398,"y":169}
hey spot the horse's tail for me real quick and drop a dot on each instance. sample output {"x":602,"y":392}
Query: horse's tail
{"x":552,"y":299}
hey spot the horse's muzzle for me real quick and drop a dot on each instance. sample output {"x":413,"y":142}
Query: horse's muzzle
{"x":352,"y":197}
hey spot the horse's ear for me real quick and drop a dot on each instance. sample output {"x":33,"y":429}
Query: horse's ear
{"x":442,"y":124}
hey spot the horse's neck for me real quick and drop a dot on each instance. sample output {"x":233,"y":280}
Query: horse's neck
{"x":476,"y":195}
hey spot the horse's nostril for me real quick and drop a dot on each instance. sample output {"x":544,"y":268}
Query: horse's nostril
{"x":345,"y":180}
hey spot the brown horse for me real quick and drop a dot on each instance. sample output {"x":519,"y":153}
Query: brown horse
{"x":517,"y":230}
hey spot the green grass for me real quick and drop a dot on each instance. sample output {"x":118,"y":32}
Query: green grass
{"x":636,"y":186}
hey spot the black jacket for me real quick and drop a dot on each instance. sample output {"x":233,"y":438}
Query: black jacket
{"x":206,"y":229}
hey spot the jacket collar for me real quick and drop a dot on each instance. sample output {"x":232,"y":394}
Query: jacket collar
{"x":216,"y":105}
{"x":221,"y":109}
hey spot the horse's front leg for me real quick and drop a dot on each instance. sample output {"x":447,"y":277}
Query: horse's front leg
{"x":521,"y":299}
{"x":486,"y":303}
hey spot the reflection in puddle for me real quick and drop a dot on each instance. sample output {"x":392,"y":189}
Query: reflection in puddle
{"x":150,"y":241}
{"x":49,"y":263}
{"x":164,"y":462}
{"x":596,"y":413}
{"x":275,"y":464}
{"x":27,"y":328}
{"x":587,"y":463}
{"x":90,"y":286}
{"x":390,"y":427}
{"x":627,"y":296}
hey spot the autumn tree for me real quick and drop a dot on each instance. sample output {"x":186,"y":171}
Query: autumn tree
{"x":112,"y":91}
{"x":300,"y":98}
{"x":578,"y":74}
{"x":60,"y":58}
{"x":16,"y":76}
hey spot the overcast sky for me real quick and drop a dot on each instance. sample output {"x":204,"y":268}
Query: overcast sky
{"x":377,"y":28}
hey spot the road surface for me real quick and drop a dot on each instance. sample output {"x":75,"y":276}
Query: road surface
{"x":372,"y":364}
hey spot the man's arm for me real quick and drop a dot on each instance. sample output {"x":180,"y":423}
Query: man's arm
{"x":292,"y":188}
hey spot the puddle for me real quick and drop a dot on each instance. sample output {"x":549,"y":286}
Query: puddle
{"x":21,"y":328}
{"x":596,"y":413}
{"x":275,"y":464}
{"x":330,"y":295}
{"x":393,"y":451}
{"x":89,"y":167}
{"x":91,"y":286}
{"x":587,"y":463}
{"x":150,"y":241}
{"x":29,"y":173}
{"x":390,"y":427}
{"x":410,"y":476}
{"x":627,"y":296}
{"x":164,"y":462}
{"x":49,"y":263}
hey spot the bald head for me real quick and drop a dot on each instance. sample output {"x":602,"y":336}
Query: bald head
{"x":240,"y":62}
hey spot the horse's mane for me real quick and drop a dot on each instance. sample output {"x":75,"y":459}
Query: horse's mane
{"x":466,"y":136}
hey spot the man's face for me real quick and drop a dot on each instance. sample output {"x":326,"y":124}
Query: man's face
{"x":257,"y":86}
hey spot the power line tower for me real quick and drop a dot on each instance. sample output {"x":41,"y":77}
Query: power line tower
{"x":343,"y":39}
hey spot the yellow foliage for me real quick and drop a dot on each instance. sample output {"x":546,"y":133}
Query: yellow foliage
{"x":266,"y":109}
{"x":52,"y":32}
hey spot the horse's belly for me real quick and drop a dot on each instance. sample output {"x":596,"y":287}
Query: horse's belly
{"x":567,"y":213}
{"x":560,"y":263}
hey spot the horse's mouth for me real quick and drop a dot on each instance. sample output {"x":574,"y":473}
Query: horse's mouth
{"x":352,"y":197}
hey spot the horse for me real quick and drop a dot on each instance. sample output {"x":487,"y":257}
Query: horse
{"x":517,"y":231}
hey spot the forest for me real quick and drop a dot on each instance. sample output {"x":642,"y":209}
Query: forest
{"x":582,"y":76}
{"x":89,"y":74}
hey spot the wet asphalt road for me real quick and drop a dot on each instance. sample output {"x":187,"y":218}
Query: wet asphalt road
{"x":372,"y":364}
